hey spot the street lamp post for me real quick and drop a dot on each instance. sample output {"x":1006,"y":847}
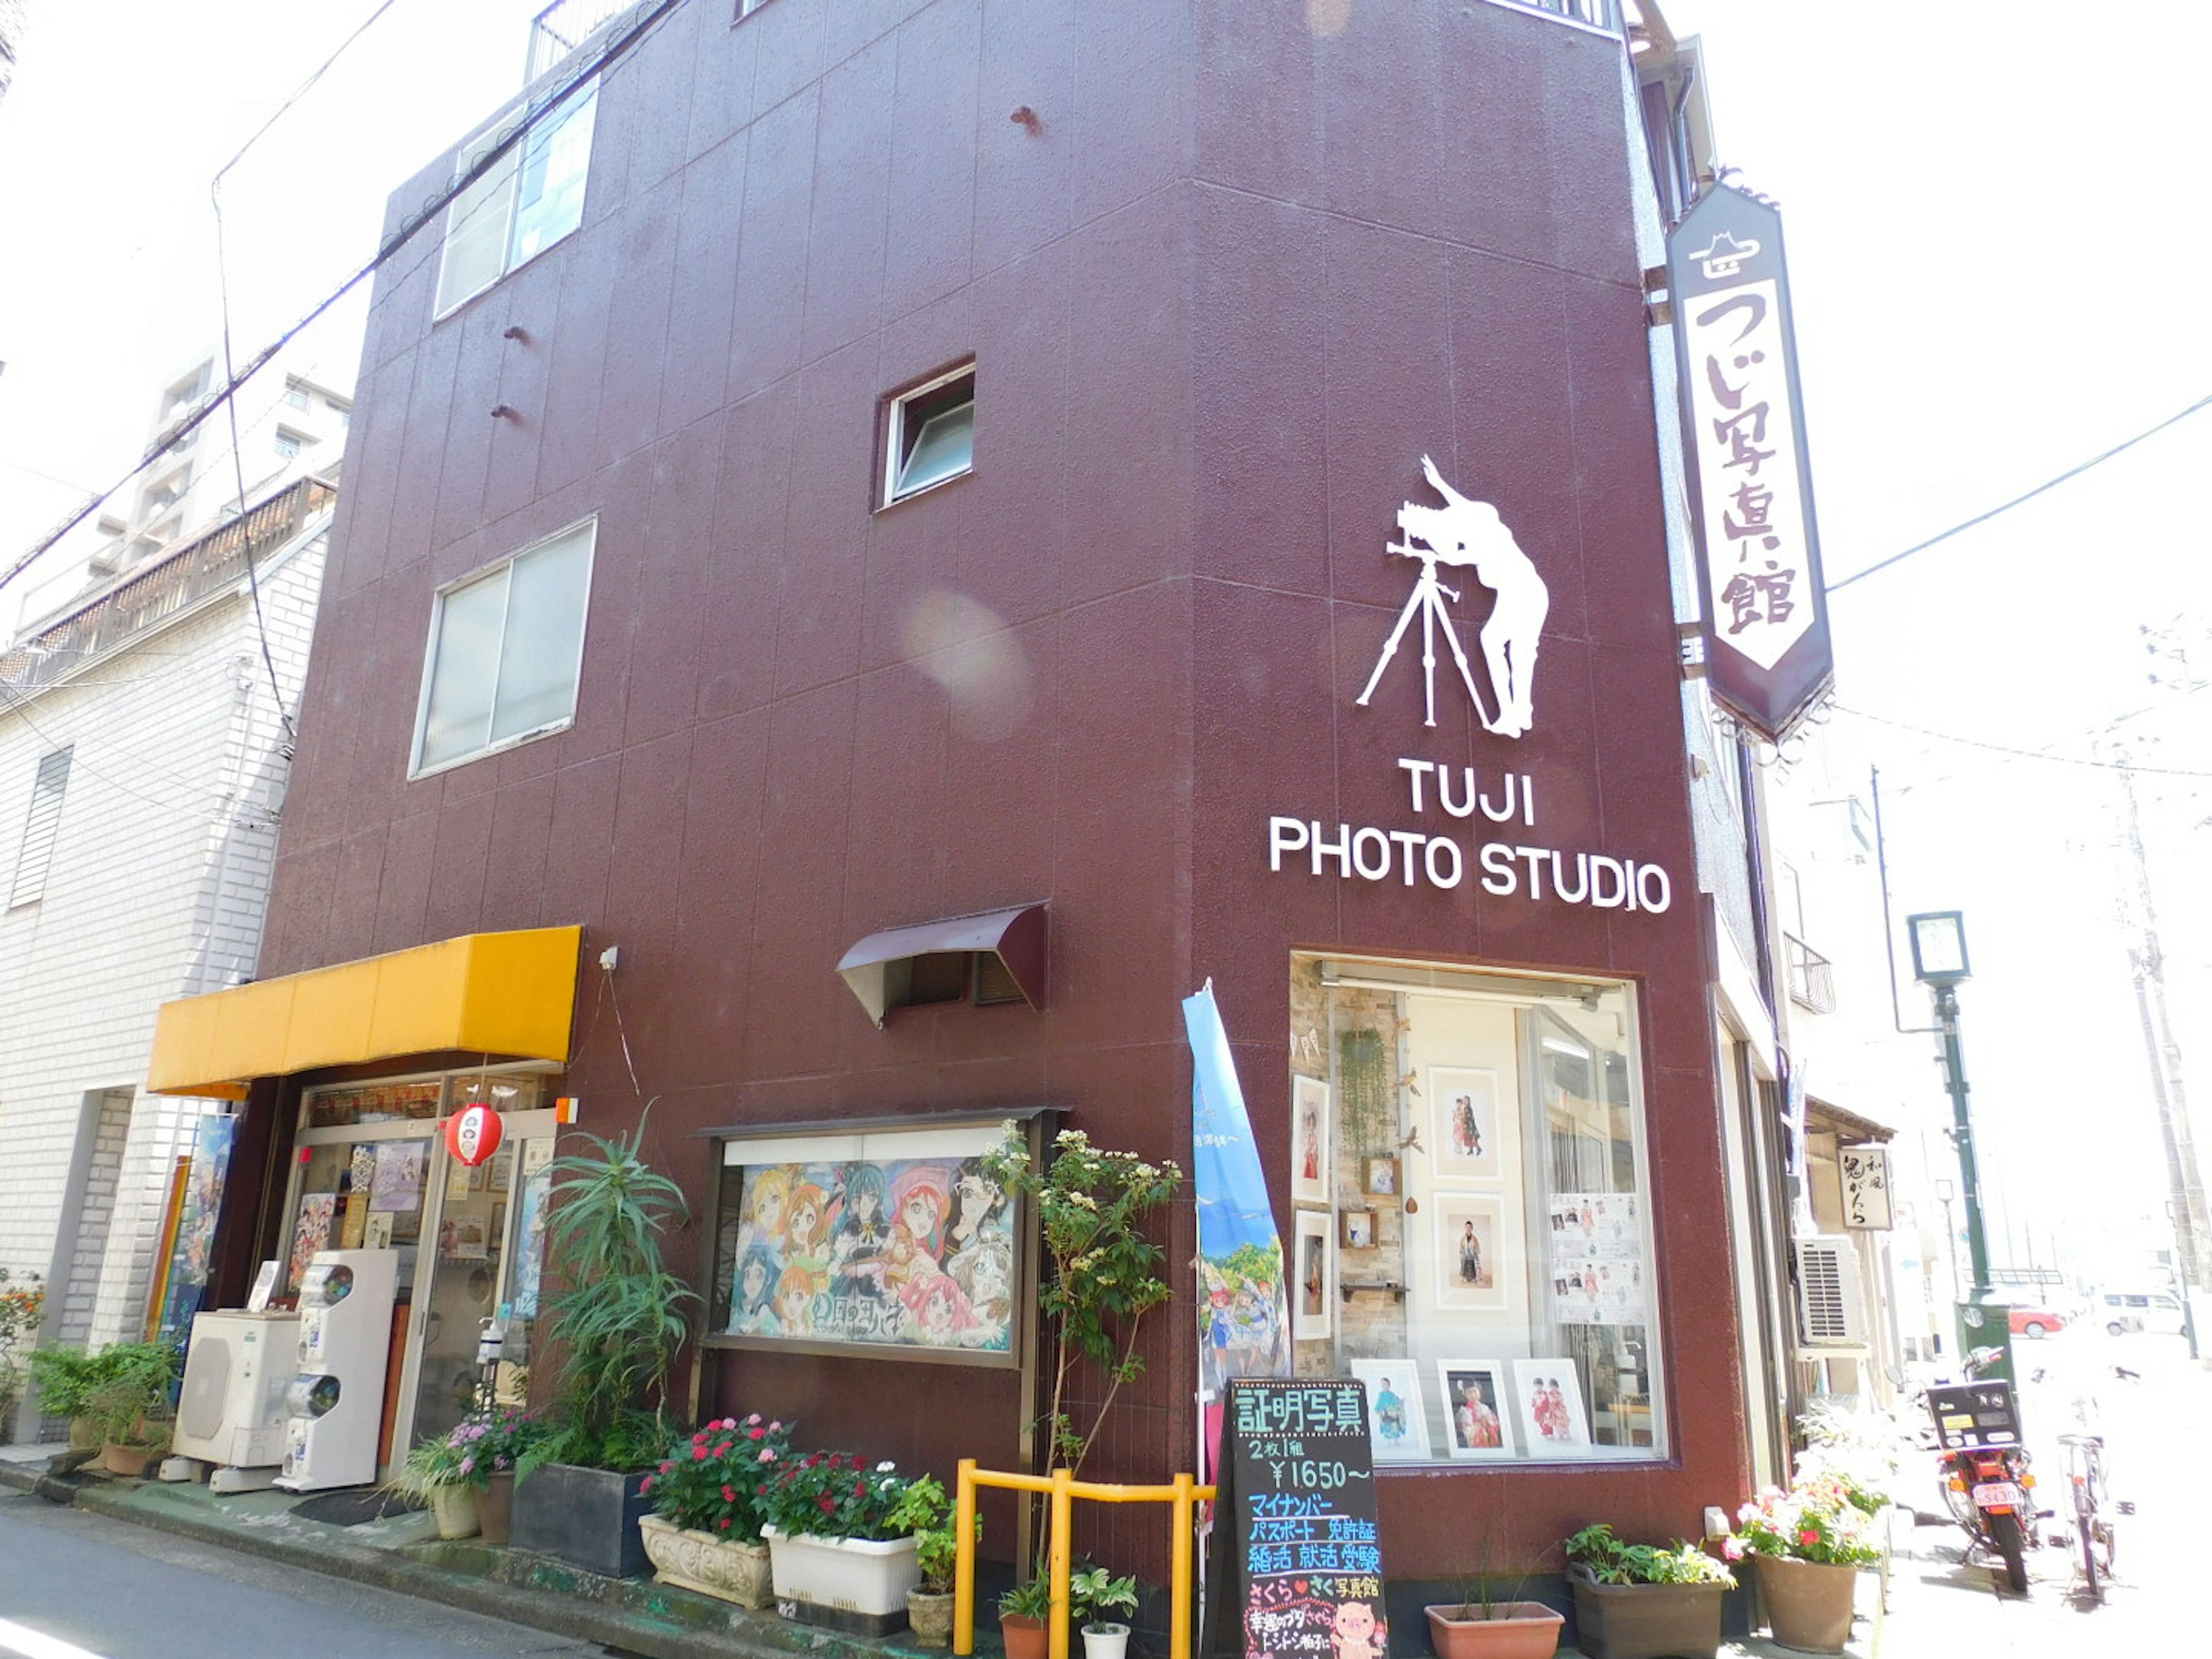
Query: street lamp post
{"x":1939,"y":962}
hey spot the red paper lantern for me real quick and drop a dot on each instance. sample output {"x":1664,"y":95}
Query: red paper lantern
{"x":473,"y":1133}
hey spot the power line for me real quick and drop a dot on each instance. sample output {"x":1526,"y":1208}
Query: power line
{"x":2020,"y":754}
{"x":540,"y":109}
{"x":2049,"y":483}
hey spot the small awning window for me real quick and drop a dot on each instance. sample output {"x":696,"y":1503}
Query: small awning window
{"x":509,"y":994}
{"x":995,"y":957}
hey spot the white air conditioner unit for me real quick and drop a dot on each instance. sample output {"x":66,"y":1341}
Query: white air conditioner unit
{"x":1830,"y":1312}
{"x":232,"y":1411}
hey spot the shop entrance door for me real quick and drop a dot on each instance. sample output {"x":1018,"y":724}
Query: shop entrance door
{"x":468,"y":1278}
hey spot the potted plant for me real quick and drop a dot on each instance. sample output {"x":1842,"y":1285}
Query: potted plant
{"x":22,"y":1306}
{"x":838,"y":1557}
{"x":1806,"y":1546}
{"x":924,"y":1512}
{"x":502,"y":1439}
{"x":438,"y":1472}
{"x":1640,"y":1602}
{"x":1022,"y":1612}
{"x":709,"y":1497}
{"x":616,"y":1324}
{"x":1095,"y":1595}
{"x":1482,"y":1625}
{"x":1103,"y":1277}
{"x":129,"y":1399}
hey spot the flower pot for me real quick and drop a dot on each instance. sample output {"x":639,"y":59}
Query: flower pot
{"x":1515,"y":1630}
{"x":118,"y":1459}
{"x":495,"y":1508}
{"x":929,"y":1612}
{"x":1101,"y":1640}
{"x":1808,"y":1603}
{"x":857,"y":1585}
{"x":731,"y":1568}
{"x":1646,"y":1621}
{"x":1024,"y":1637}
{"x":586,"y":1517}
{"x":454,"y":1509}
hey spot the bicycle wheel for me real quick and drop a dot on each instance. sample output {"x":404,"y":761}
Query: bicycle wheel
{"x":2004,"y":1533}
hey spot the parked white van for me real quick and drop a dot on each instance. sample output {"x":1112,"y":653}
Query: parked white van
{"x":2156,"y":1312}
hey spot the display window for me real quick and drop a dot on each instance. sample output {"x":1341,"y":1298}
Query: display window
{"x":1473,"y":1235}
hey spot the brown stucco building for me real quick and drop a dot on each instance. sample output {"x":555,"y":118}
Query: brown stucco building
{"x":1210,"y":281}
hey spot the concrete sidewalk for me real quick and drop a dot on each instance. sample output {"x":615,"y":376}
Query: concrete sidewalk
{"x":401,"y":1552}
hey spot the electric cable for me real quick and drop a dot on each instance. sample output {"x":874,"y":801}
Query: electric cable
{"x":18,"y":705}
{"x":2048,"y":483}
{"x":2021,"y":754}
{"x":539,"y":110}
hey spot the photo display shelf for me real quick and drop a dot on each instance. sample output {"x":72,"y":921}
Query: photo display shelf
{"x":888,"y":1239}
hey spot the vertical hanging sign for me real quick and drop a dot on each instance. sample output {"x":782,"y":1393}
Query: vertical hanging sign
{"x":1765,"y":627}
{"x":1242,"y":1313}
{"x":1865,"y":1174}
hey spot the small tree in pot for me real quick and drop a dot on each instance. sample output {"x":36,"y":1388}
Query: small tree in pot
{"x":617,"y":1323}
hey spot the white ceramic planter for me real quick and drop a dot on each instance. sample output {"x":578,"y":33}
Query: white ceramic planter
{"x":733,"y":1570}
{"x":850,"y":1584}
{"x":1105,"y":1641}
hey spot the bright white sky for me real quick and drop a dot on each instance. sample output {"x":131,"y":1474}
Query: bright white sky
{"x":1997,"y":245}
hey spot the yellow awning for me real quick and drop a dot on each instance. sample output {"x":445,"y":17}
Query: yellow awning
{"x":508,"y":995}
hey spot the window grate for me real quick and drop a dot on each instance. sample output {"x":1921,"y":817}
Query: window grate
{"x":41,"y":828}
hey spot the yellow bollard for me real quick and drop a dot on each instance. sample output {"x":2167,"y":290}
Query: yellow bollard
{"x":964,"y":1573}
{"x":1062,"y":1547}
{"x":1179,"y":1539}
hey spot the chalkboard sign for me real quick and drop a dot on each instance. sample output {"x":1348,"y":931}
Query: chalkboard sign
{"x":1975,"y":1416}
{"x":1297,"y":1567}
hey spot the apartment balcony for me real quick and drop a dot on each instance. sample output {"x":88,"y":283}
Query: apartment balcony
{"x":1812,"y":978}
{"x":205,"y":566}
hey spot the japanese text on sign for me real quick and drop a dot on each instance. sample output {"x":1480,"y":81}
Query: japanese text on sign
{"x":1865,"y":1175}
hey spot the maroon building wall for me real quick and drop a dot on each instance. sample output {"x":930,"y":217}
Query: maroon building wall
{"x":1224,"y":292}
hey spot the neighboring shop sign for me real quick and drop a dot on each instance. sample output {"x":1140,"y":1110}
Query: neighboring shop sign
{"x":1297,"y":1561}
{"x":1865,"y":1172}
{"x":1765,"y":617}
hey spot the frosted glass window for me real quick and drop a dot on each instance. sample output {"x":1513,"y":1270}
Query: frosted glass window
{"x":505,"y":649}
{"x":530,"y":197}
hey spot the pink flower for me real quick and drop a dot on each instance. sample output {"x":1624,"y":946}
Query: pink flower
{"x":774,"y":1427}
{"x":1732,"y":1547}
{"x":698,"y":1454}
{"x":664,"y":1467}
{"x":729,"y":1494}
{"x":469,"y":1465}
{"x":756,"y":1432}
{"x":646,"y":1485}
{"x":1808,"y":1536}
{"x":726,"y":1523}
{"x":767,"y":1455}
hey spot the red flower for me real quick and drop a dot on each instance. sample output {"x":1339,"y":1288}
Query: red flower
{"x":664,"y":1467}
{"x":756,"y":1432}
{"x":828,"y":1504}
{"x":729,"y":1494}
{"x":698,"y":1454}
{"x":1808,"y":1536}
{"x":726,"y":1523}
{"x":646,"y":1485}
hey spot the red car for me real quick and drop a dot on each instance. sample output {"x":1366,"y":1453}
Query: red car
{"x":2034,"y":1321}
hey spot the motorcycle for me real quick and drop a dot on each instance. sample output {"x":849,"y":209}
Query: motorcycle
{"x":1987,"y":1483}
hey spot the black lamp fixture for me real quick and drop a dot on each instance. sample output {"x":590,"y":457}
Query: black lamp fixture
{"x":1939,"y":947}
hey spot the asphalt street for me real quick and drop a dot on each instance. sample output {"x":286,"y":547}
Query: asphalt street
{"x":74,"y":1585}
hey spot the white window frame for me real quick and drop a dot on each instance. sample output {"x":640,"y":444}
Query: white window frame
{"x":416,"y":768}
{"x":583,"y":100}
{"x":899,"y":409}
{"x":42,"y":826}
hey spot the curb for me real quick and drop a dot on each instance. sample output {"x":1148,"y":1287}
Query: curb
{"x":670,"y":1623}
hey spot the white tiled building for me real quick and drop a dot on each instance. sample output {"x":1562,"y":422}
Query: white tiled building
{"x":143,"y":751}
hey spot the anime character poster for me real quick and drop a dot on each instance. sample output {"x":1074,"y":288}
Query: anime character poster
{"x":311,"y":1233}
{"x":903,"y":1252}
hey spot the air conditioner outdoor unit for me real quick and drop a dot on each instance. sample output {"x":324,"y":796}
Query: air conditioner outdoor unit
{"x":232,"y":1410}
{"x":1830,"y":1313}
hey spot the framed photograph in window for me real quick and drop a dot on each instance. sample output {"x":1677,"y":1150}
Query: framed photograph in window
{"x":1379,"y":1177}
{"x":1397,"y":1415}
{"x":1356,"y":1229}
{"x":1475,"y":1408}
{"x":1548,"y":1395}
{"x":1471,"y":1132}
{"x":1313,"y":1284}
{"x":1310,"y":1151}
{"x":888,"y":1239}
{"x":1467,"y":1229}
